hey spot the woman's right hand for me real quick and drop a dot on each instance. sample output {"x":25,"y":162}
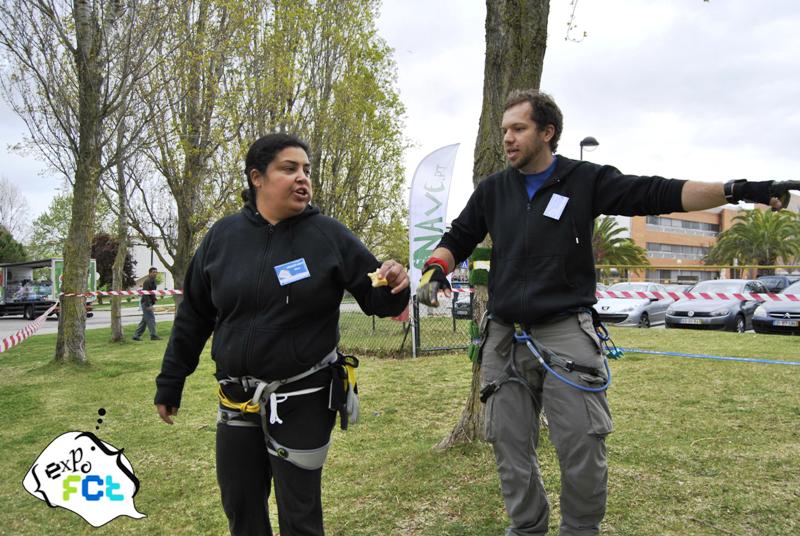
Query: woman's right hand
{"x":166,"y":413}
{"x":395,"y":274}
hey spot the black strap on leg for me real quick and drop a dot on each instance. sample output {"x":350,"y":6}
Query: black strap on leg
{"x":509,"y":374}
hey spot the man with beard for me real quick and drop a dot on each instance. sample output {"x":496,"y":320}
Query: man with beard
{"x":540,"y":212}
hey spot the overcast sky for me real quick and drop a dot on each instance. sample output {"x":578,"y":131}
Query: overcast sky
{"x":679,"y":88}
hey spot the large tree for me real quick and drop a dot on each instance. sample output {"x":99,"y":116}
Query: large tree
{"x":183,"y":187}
{"x":758,"y":237}
{"x":327,"y":76}
{"x":69,"y":70}
{"x":516,"y":39}
{"x":234,"y":71}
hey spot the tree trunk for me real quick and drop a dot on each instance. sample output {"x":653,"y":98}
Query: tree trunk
{"x":470,"y":425}
{"x":118,"y":270}
{"x":70,"y":344}
{"x":516,"y":39}
{"x":185,"y":244}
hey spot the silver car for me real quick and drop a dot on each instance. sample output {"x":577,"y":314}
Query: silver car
{"x":779,"y":317}
{"x":640,"y":312}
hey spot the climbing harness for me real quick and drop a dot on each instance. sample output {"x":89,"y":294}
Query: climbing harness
{"x":265,"y":401}
{"x":548,"y":359}
{"x":545,"y":357}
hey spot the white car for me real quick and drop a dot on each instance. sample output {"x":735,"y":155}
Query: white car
{"x":640,"y":312}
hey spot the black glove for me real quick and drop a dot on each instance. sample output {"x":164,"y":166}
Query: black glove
{"x":433,"y":279}
{"x":759,"y":192}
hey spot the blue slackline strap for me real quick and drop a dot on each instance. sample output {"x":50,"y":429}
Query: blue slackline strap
{"x":716,"y":357}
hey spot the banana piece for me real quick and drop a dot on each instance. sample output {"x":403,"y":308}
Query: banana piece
{"x":376,"y":280}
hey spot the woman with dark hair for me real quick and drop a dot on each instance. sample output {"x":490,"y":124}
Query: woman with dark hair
{"x":268,"y":282}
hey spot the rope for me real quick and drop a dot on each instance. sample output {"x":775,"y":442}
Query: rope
{"x":716,"y":357}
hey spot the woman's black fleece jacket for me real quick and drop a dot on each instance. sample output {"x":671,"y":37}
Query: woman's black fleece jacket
{"x":261,"y":328}
{"x":542,"y":266}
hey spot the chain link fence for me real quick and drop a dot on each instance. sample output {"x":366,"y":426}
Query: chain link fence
{"x":443,"y":328}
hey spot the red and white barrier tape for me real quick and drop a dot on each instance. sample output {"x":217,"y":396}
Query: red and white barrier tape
{"x":737,"y":296}
{"x":740,"y":296}
{"x":171,"y":292}
{"x":10,"y":342}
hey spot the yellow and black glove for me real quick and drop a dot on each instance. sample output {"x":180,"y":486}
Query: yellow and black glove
{"x":432,"y":281}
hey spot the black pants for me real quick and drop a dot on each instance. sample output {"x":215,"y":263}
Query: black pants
{"x":245,"y":470}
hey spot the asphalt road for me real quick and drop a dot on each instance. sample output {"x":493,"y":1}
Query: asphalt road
{"x":101,"y":319}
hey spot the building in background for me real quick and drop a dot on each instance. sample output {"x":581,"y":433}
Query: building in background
{"x":677,"y":243}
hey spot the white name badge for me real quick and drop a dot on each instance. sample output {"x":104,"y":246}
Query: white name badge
{"x":292,"y":271}
{"x":556,"y":206}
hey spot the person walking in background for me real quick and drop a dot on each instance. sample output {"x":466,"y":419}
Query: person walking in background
{"x":148,"y":303}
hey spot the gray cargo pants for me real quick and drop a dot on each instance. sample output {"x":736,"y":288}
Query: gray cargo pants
{"x":578,"y":423}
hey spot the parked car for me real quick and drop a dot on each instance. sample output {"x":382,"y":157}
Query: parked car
{"x":779,"y":317}
{"x":732,"y":315}
{"x":776,"y":283}
{"x":641,"y":312}
{"x":678,"y":287}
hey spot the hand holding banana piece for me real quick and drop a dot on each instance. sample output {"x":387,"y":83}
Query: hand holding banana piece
{"x":392,"y":274}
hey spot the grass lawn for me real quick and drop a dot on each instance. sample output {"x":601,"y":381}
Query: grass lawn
{"x":700,"y":447}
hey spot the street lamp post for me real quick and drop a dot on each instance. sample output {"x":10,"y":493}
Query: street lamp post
{"x":588,"y":141}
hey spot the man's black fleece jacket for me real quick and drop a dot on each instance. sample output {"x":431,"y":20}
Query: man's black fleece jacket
{"x":540,"y":265}
{"x":261,"y":328}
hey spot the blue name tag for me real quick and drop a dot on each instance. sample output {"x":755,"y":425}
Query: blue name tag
{"x":292,"y":271}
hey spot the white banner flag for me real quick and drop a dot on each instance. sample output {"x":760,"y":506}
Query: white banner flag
{"x":427,"y":207}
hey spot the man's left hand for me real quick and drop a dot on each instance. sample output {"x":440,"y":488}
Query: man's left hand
{"x":773,"y":193}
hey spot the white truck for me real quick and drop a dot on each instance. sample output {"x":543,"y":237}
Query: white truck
{"x":29,"y":288}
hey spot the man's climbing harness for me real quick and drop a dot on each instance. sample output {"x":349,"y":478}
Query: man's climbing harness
{"x":265,"y":401}
{"x":548,"y":359}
